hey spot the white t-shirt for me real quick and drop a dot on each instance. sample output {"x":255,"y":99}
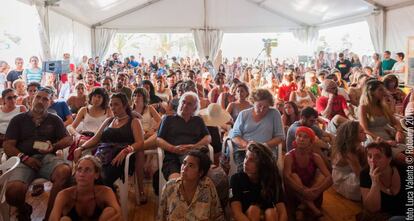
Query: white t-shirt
{"x":399,"y":66}
{"x":2,"y":81}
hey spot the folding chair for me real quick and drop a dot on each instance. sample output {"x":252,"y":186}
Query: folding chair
{"x":6,"y":169}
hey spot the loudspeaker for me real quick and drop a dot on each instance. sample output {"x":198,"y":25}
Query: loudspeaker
{"x":57,"y":67}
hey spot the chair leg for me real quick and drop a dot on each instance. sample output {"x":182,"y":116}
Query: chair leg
{"x":123,"y":197}
{"x":137,"y":192}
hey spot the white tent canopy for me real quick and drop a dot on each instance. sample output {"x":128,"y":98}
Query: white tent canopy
{"x":390,"y":21}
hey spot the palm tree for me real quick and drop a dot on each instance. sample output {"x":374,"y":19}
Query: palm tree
{"x":165,"y":44}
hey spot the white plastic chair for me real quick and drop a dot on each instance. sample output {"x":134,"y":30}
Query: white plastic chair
{"x":6,"y":169}
{"x":228,"y":147}
{"x":161,"y":179}
{"x":123,"y":186}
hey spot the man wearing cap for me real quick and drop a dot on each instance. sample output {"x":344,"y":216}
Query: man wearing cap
{"x":181,"y":133}
{"x":34,"y":137}
{"x":333,"y":106}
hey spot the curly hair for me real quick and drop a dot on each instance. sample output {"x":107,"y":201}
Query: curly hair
{"x":347,"y":132}
{"x":262,"y":94}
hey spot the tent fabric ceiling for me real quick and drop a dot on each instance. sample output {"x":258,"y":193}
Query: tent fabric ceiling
{"x":227,"y":15}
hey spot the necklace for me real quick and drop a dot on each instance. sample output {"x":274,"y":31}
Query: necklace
{"x":121,"y":118}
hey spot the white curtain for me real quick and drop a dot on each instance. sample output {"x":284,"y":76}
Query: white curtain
{"x":82,"y":41}
{"x":207,"y":42}
{"x":102,"y":40}
{"x":309,"y":36}
{"x":399,"y":25}
{"x":61,"y":35}
{"x":43,"y":31}
{"x":376,"y":29}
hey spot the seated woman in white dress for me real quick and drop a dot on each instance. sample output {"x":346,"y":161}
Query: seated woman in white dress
{"x":90,"y":118}
{"x":348,"y":159}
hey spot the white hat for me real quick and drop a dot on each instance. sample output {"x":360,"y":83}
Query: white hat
{"x":214,"y":115}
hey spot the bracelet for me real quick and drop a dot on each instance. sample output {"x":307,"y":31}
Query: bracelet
{"x":24,"y":158}
{"x":128,"y":149}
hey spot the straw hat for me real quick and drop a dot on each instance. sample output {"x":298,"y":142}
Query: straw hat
{"x":214,"y":115}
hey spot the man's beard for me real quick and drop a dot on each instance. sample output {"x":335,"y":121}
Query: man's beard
{"x":38,"y":108}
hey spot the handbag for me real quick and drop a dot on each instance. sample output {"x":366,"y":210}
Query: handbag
{"x":106,"y":152}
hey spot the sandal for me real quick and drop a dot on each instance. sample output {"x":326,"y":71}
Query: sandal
{"x":38,"y":189}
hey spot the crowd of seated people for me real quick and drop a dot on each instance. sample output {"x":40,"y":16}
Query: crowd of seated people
{"x":339,"y":122}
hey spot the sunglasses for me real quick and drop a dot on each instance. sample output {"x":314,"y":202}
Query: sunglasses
{"x":11,"y":97}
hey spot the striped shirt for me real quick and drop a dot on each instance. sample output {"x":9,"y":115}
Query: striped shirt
{"x":33,"y":75}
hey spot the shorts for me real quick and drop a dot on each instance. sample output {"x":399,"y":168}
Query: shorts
{"x":48,"y":164}
{"x":171,"y":164}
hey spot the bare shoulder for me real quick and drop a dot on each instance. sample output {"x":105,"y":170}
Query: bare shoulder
{"x":67,"y":194}
{"x":102,"y":189}
{"x":103,"y":192}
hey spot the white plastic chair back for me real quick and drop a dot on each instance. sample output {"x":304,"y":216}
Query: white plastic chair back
{"x":6,"y":169}
{"x":124,"y":188}
{"x":161,"y":179}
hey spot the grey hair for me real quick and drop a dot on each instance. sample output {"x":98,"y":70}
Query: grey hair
{"x":195,"y":96}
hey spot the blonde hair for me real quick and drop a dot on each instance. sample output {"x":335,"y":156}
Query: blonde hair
{"x":17,"y":82}
{"x":367,"y":99}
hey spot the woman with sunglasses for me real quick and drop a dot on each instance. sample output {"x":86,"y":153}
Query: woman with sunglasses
{"x":8,"y":110}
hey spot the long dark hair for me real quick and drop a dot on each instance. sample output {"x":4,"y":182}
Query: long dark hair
{"x":102,"y":92}
{"x":267,"y":170}
{"x":124,"y":101}
{"x":152,"y":97}
{"x":295,"y":110}
{"x":145,"y":96}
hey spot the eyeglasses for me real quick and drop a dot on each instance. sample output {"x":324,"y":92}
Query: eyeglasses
{"x":11,"y":97}
{"x":84,"y":170}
